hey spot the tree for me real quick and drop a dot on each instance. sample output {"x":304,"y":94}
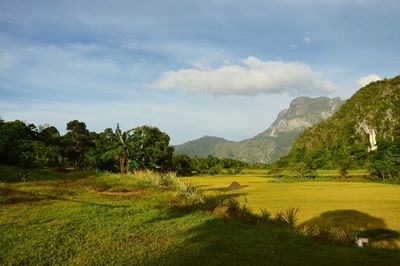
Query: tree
{"x":344,"y":164}
{"x":49,"y":135}
{"x":76,"y":142}
{"x":101,"y":156}
{"x":275,"y":170}
{"x":386,"y":159}
{"x":299,"y":169}
{"x":302,"y":170}
{"x":150,"y":149}
{"x":16,"y":139}
{"x":121,"y":147}
{"x":183,"y":165}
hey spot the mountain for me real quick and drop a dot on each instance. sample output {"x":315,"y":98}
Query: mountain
{"x":274,"y":142}
{"x":303,"y":112}
{"x":202,"y":147}
{"x":370,"y":116}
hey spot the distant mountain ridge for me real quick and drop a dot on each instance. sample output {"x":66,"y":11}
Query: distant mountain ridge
{"x":274,"y":142}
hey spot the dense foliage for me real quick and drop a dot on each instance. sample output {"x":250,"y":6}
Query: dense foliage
{"x":145,"y":147}
{"x":28,"y":146}
{"x":187,"y":166}
{"x":340,"y":141}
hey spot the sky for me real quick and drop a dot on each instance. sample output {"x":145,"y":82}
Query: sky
{"x":191,"y":68}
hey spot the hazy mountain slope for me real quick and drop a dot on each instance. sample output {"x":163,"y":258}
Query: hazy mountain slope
{"x":272,"y":143}
{"x":202,"y":147}
{"x":342,"y":137}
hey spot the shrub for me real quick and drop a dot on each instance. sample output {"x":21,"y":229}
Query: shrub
{"x":265,"y":216}
{"x":243,"y":213}
{"x":335,"y":235}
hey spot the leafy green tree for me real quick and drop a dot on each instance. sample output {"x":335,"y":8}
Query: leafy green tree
{"x":150,"y":149}
{"x":49,"y":135}
{"x":76,"y":142}
{"x":386,"y":159}
{"x":47,"y":149}
{"x":183,"y":165}
{"x":102,"y":153}
{"x":303,"y":170}
{"x":344,"y":165}
{"x":299,"y":169}
{"x":16,"y":139}
{"x":275,"y":170}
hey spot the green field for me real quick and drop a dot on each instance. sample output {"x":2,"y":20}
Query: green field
{"x":313,"y":198}
{"x":90,"y":218}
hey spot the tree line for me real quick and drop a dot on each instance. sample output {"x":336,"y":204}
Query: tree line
{"x":145,"y":147}
{"x":383,"y":163}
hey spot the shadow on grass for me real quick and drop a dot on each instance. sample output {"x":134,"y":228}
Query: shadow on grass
{"x":181,"y":207}
{"x":357,"y":223}
{"x":13,"y":174}
{"x":11,"y":196}
{"x":217,"y":241}
{"x":226,"y":189}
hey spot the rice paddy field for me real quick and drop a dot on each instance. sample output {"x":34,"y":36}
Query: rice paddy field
{"x":313,"y":198}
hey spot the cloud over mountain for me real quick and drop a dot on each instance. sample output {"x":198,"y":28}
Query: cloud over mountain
{"x":363,"y":81}
{"x":251,"y":76}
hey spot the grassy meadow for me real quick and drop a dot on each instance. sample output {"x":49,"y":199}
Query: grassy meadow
{"x":93,"y":218}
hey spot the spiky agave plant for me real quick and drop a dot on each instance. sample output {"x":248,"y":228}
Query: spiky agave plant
{"x":288,"y":216}
{"x":168,"y":178}
{"x":189,"y":191}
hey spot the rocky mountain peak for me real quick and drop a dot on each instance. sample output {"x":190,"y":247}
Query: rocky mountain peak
{"x":303,"y":112}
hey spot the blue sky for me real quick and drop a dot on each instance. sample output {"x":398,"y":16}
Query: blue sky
{"x":191,"y":68}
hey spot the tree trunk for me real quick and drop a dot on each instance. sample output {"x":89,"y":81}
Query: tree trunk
{"x":122,"y":165}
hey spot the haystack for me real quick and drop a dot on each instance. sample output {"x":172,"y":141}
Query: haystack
{"x":235,"y":185}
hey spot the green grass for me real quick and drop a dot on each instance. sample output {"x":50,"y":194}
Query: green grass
{"x":107,"y":219}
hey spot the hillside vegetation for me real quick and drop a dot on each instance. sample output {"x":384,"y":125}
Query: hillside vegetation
{"x":341,"y":138}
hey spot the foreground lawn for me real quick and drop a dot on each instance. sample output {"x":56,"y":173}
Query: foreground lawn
{"x":103,"y":219}
{"x":381,"y":201}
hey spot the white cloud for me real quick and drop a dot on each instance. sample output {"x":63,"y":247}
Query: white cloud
{"x":307,"y":40}
{"x":252,"y":76}
{"x":363,"y":81}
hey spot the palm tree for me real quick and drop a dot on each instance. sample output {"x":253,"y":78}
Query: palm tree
{"x":120,"y":148}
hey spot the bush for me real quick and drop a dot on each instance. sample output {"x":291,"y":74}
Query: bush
{"x":335,"y":235}
{"x":265,"y":216}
